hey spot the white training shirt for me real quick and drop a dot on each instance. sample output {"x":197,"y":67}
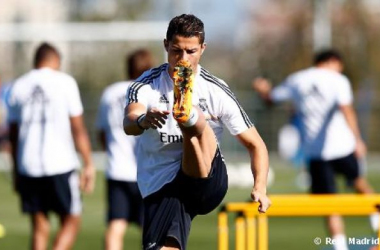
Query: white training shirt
{"x":317,"y":94}
{"x":41,"y":103}
{"x":121,"y":148}
{"x":160,"y":151}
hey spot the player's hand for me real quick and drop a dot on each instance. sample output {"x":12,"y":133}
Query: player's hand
{"x":262,"y":198}
{"x":361,"y":149}
{"x":87,"y":179}
{"x":154,"y":118}
{"x":261,"y":85}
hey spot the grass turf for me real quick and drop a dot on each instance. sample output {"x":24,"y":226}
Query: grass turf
{"x":284,"y":233}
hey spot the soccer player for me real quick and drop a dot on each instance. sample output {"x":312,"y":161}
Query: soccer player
{"x":4,"y":132}
{"x":331,"y":139}
{"x":179,"y":110}
{"x":123,"y":196}
{"x":45,"y":121}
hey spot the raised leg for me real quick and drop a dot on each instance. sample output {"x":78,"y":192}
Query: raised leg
{"x":199,"y":147}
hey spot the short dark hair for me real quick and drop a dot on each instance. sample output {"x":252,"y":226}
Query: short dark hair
{"x":327,"y":55}
{"x":138,"y":62}
{"x":44,"y":52}
{"x":186,"y":25}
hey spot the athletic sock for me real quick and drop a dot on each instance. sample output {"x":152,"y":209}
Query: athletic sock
{"x":340,"y":242}
{"x":193,"y":118}
{"x":374,"y":221}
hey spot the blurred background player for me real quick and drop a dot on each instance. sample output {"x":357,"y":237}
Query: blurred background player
{"x":181,"y":171}
{"x":4,"y":130}
{"x":331,"y":139}
{"x":45,"y":121}
{"x":123,"y":196}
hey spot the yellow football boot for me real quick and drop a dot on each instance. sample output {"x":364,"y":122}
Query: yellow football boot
{"x":183,"y":90}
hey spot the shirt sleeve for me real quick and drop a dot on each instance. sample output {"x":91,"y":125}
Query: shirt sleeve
{"x":233,"y":115}
{"x":282,"y":92}
{"x":138,"y":92}
{"x":75,"y":103}
{"x":345,"y":96}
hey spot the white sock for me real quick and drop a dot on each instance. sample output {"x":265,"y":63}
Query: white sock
{"x":374,"y":221}
{"x":193,"y":118}
{"x":340,"y":242}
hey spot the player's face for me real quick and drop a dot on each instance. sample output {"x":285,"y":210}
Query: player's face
{"x":184,"y":48}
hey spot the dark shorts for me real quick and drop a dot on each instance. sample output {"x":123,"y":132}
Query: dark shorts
{"x":57,"y":193}
{"x":323,"y":173}
{"x":169,"y":211}
{"x":124,"y":201}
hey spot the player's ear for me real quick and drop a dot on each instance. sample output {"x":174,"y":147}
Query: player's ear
{"x":166,"y":45}
{"x":203,"y":47}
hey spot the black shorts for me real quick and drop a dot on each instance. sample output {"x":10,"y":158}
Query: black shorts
{"x":124,"y":201}
{"x":323,"y":173}
{"x":58,"y":193}
{"x":169,"y":211}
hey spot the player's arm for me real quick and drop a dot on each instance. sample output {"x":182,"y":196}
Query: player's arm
{"x":345,"y":100}
{"x":259,"y":165}
{"x":237,"y":121}
{"x":83,"y":145}
{"x":137,"y":118}
{"x":134,"y":122}
{"x":263,"y":87}
{"x":350,"y":116}
{"x":280,"y":93}
{"x":13,"y":137}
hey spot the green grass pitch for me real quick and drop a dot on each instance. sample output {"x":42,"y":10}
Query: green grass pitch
{"x":284,"y":233}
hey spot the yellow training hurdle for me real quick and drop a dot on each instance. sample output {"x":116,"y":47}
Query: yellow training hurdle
{"x":252,"y":227}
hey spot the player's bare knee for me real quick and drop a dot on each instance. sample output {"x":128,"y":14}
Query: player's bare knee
{"x":74,"y":219}
{"x":40,"y":223}
{"x":361,"y":186}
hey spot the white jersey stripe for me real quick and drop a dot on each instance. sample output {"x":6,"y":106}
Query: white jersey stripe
{"x":207,"y":76}
{"x":76,"y":203}
{"x":148,"y":79}
{"x":138,"y":84}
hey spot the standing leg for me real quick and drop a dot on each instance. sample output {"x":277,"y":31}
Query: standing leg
{"x":335,"y":225}
{"x":68,"y":232}
{"x":323,"y":182}
{"x":362,"y":186}
{"x":115,"y":234}
{"x":40,"y":231}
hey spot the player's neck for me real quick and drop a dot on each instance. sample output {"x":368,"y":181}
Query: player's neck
{"x":330,"y":66}
{"x":49,"y":64}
